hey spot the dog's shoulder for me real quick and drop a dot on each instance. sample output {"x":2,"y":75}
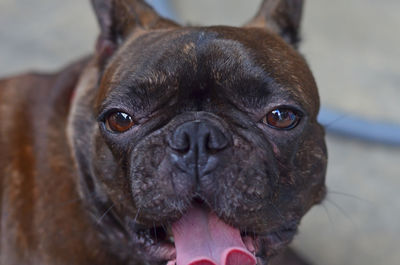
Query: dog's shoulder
{"x":36,"y":172}
{"x":31,"y":104}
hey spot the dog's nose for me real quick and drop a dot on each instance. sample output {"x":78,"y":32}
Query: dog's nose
{"x":197,"y":136}
{"x":196,"y":145}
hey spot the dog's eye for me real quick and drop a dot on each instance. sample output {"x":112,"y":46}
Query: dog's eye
{"x":282,"y":119}
{"x":119,"y":122}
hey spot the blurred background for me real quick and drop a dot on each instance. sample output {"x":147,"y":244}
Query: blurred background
{"x":353,"y":49}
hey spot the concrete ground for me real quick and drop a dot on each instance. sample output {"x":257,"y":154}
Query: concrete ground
{"x":353,"y":49}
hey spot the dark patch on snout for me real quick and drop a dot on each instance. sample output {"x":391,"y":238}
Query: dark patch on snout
{"x":196,"y":149}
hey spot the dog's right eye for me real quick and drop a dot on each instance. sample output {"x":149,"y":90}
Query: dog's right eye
{"x":119,"y":122}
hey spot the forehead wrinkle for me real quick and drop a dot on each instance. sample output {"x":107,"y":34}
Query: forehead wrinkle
{"x":234,"y":70}
{"x":149,"y":83}
{"x":143,"y":93}
{"x":251,"y":82}
{"x":122,"y":99}
{"x":279,"y":61}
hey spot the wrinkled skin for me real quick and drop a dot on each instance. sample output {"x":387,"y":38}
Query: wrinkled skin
{"x":263,"y":182}
{"x":222,"y":81}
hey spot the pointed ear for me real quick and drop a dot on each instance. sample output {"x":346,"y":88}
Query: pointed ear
{"x":118,"y":18}
{"x":282,"y":17}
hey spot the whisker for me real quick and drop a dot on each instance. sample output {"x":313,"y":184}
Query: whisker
{"x":104,"y":214}
{"x":137,"y":215}
{"x":341,"y":210}
{"x":349,"y":195}
{"x":277,"y":211}
{"x":164,"y":228}
{"x":328,"y":214}
{"x":155,"y":231}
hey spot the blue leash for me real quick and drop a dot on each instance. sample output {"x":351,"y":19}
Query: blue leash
{"x":356,"y":127}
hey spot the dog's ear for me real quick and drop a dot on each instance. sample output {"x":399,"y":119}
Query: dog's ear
{"x":280,"y":16}
{"x":119,"y":18}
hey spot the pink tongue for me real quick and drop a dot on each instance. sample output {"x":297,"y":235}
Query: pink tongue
{"x":201,"y":238}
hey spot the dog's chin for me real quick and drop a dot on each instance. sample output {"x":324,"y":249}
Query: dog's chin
{"x":163,"y":244}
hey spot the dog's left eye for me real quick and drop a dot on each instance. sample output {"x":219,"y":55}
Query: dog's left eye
{"x":119,"y":122}
{"x":282,"y":119}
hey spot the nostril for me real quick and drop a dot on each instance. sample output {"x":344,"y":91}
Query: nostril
{"x":202,"y":138}
{"x":216,"y":141}
{"x":180,"y":141}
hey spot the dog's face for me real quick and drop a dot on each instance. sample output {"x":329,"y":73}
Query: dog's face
{"x":192,"y":123}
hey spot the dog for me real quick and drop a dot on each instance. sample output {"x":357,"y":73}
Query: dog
{"x":168,"y":145}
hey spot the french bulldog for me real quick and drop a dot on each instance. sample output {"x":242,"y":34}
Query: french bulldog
{"x":169,"y":145}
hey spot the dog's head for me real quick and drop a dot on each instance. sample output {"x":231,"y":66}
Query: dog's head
{"x":204,"y":134}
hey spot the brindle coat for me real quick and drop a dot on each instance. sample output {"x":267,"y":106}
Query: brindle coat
{"x":73,"y":193}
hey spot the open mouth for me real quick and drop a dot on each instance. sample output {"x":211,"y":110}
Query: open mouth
{"x":201,"y":238}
